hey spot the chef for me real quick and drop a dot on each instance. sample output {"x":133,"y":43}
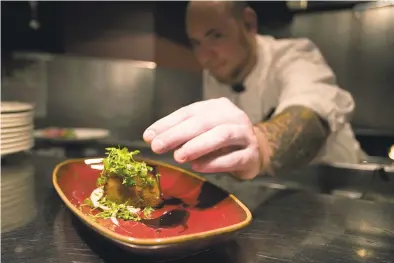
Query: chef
{"x":270,"y":106}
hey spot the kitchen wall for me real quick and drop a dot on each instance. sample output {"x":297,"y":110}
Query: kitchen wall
{"x":127,"y":30}
{"x":360,"y":48}
{"x":121,"y":30}
{"x":27,"y":80}
{"x":124,"y":96}
{"x":98,"y":81}
{"x":112,"y":94}
{"x":121,"y":95}
{"x":175,"y":89}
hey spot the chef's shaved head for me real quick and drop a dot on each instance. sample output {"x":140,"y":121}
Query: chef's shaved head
{"x":222,"y":34}
{"x":236,"y":8}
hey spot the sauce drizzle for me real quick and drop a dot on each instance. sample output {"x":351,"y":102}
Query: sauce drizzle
{"x":169,"y":219}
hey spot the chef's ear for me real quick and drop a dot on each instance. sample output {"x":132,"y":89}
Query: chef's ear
{"x":247,"y":26}
{"x":250,"y":20}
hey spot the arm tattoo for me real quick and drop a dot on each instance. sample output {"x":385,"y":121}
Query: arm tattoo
{"x":294,"y":138}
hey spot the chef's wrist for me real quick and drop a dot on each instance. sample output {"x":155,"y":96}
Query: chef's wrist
{"x":263,"y":149}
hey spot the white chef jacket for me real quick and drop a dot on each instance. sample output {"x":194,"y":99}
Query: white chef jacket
{"x":293,"y":72}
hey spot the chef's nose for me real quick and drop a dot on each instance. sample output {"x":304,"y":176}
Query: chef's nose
{"x":205,"y":55}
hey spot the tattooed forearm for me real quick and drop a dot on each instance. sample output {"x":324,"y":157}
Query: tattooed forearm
{"x":294,"y":138}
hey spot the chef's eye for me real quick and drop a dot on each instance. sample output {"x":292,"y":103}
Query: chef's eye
{"x":217,"y":36}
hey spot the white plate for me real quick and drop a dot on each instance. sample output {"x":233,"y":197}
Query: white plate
{"x":17,"y":147}
{"x":13,"y":140}
{"x":82,"y":134}
{"x":5,"y":136}
{"x":12,"y":130}
{"x":15,"y":106}
{"x":11,"y":145}
{"x":13,"y":115}
{"x":16,"y":121}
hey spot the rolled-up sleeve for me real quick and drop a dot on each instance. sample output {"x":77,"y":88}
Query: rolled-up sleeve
{"x":305,"y":79}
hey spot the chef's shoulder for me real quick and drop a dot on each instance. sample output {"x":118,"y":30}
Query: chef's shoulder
{"x":284,"y":48}
{"x":306,"y":80}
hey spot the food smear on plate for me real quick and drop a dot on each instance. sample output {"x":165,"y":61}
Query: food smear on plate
{"x":63,"y":133}
{"x":127,"y":189}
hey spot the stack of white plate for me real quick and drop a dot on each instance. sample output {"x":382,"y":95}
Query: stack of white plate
{"x":16,"y":127}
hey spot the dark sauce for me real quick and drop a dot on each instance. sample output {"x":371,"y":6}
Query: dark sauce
{"x":173,"y":201}
{"x":209,"y":196}
{"x":169,"y":219}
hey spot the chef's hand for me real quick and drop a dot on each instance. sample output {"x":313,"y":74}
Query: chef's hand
{"x":213,"y":135}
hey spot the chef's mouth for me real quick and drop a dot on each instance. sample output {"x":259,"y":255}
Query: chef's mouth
{"x":216,"y":69}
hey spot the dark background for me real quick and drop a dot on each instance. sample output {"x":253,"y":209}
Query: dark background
{"x":359,"y":46}
{"x":57,"y":18}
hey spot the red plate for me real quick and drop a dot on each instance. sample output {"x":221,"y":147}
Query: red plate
{"x":213,"y":215}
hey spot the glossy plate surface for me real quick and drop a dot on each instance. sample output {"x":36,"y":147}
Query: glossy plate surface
{"x":212,"y":212}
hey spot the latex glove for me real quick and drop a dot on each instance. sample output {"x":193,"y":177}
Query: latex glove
{"x":213,"y":135}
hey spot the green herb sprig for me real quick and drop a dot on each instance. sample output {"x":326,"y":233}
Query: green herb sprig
{"x":121,"y":162}
{"x":119,"y":211}
{"x":116,"y":210}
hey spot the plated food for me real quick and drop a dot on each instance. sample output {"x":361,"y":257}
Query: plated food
{"x":65,"y":133}
{"x":126,"y":188}
{"x":148,"y":206}
{"x":74,"y":134}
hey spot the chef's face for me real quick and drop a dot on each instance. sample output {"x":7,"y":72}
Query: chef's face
{"x":222,"y":44}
